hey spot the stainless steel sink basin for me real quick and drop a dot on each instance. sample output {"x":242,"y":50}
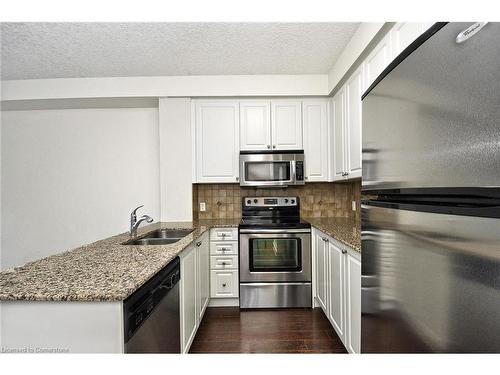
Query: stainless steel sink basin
{"x":160,"y":237}
{"x":152,"y":241}
{"x":168,"y":233}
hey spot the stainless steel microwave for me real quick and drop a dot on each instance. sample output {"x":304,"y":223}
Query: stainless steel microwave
{"x":271,"y":168}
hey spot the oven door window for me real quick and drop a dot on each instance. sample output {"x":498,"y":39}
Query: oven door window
{"x":275,"y":254}
{"x":268,"y":170}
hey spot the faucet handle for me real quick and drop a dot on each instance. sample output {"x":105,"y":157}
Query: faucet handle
{"x":134,"y":211}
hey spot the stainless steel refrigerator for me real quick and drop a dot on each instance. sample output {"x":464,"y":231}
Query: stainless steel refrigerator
{"x":431,"y":196}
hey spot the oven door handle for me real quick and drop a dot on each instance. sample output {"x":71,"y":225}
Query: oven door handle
{"x":264,"y":231}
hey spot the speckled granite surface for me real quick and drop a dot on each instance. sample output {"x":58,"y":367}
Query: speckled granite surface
{"x":104,"y":270}
{"x":345,"y":230}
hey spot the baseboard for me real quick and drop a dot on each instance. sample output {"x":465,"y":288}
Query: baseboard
{"x":221,"y":302}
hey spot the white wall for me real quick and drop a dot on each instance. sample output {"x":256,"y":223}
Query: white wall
{"x":175,"y":159}
{"x":71,"y":177}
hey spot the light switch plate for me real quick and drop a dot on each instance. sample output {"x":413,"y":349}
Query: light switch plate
{"x":203,"y":206}
{"x":354,"y":205}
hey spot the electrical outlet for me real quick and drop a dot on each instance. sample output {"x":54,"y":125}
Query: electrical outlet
{"x":354,"y":205}
{"x":203,"y":206}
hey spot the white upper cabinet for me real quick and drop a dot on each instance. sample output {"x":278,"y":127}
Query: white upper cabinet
{"x":378,"y":60}
{"x":346,"y":127}
{"x":286,"y":125}
{"x":338,"y":129}
{"x":404,"y":33}
{"x":255,"y":125}
{"x":217,"y":141}
{"x":315,"y":121}
{"x":354,"y":91}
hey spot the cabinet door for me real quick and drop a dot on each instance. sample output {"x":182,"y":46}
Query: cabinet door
{"x":286,"y":124}
{"x":336,"y":282}
{"x":189,"y":315}
{"x":224,"y":284}
{"x":354,"y":90}
{"x":404,"y":33}
{"x":338,"y":126}
{"x":203,"y":282}
{"x":353,"y":304}
{"x":321,"y":271}
{"x":315,"y":123}
{"x":378,"y":60}
{"x":255,"y":125}
{"x":217,"y":141}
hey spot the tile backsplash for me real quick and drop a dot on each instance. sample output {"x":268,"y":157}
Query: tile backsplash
{"x":317,"y":199}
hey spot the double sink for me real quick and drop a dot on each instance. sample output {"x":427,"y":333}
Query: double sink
{"x":160,"y":237}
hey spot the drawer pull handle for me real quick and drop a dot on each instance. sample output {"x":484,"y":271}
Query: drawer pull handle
{"x":224,"y":249}
{"x":224,"y":263}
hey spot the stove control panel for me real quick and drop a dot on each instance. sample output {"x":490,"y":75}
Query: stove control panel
{"x":270,"y":201}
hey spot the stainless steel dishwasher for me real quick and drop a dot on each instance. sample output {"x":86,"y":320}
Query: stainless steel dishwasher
{"x":151,"y":314}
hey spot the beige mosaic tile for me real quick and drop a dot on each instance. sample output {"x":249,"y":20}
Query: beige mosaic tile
{"x":318,"y":199}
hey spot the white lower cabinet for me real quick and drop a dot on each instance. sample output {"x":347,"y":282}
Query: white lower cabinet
{"x":224,"y":283}
{"x":353,"y":304}
{"x":194,"y":289}
{"x":321,"y":267}
{"x":224,"y":277}
{"x":337,"y":278}
{"x":336,"y":282}
{"x":203,"y":282}
{"x":189,"y":316}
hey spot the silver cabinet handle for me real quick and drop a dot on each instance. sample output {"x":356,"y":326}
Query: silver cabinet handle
{"x":222,"y":234}
{"x":198,"y":244}
{"x":344,"y":251}
{"x":224,"y":263}
{"x":223,"y":249}
{"x":268,"y":146}
{"x":305,"y":178}
{"x":224,"y":285}
{"x":274,"y":146}
{"x":237,"y":178}
{"x":324,"y":239}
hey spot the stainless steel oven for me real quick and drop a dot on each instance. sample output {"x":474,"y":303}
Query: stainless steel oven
{"x":271,"y":168}
{"x":275,"y":254}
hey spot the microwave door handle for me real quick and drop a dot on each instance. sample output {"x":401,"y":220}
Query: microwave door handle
{"x":293,"y":177}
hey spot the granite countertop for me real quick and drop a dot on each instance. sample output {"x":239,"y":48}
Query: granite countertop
{"x":104,"y":270}
{"x":345,"y":230}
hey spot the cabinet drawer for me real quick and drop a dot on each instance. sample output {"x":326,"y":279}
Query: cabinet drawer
{"x":224,"y":284}
{"x":224,"y":234}
{"x":223,"y":262}
{"x":223,"y":248}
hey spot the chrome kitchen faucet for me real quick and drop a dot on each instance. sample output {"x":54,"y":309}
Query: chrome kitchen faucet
{"x":134,"y":223}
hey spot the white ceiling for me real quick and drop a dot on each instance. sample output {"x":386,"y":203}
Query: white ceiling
{"x":64,"y":50}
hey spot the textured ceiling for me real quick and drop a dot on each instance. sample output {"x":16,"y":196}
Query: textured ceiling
{"x":63,"y":50}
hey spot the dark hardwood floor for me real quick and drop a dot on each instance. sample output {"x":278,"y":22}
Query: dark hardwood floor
{"x":229,"y":330}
